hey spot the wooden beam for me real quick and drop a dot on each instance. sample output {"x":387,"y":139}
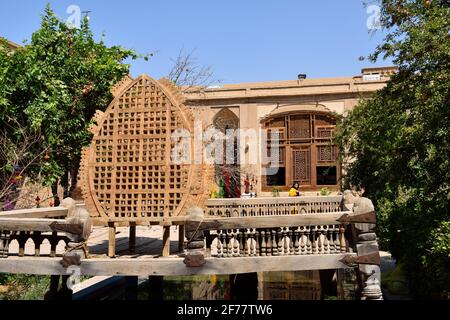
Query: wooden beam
{"x":157,"y":221}
{"x":29,"y":224}
{"x":166,"y":241}
{"x":132,"y":238}
{"x":50,"y":212}
{"x":267,"y":221}
{"x":180,"y":238}
{"x":172,"y":266}
{"x":112,"y":240}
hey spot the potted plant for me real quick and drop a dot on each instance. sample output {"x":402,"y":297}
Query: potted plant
{"x":324,"y":191}
{"x":275,"y":191}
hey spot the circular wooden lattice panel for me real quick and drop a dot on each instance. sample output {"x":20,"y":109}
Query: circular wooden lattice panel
{"x":127,"y":173}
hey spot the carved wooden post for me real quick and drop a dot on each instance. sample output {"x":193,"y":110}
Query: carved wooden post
{"x":4,"y":243}
{"x":22,"y":239}
{"x":53,"y":243}
{"x":37,"y":239}
{"x":112,"y":240}
{"x":181,"y":238}
{"x":367,"y":246}
{"x":195,"y":256}
{"x":132,"y":238}
{"x":166,"y":238}
{"x":80,"y":218}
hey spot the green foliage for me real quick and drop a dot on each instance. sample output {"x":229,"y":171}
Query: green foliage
{"x":275,"y":192}
{"x":401,"y":141}
{"x":324,"y":191}
{"x":23,"y":287}
{"x":53,"y":86}
{"x":395,"y":281}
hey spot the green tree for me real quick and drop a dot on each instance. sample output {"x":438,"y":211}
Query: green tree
{"x":400,"y":139}
{"x":53,"y":86}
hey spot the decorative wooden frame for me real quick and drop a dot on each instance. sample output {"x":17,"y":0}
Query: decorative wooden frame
{"x":127,"y":175}
{"x":302,"y":130}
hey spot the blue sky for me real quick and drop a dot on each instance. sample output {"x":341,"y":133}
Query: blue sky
{"x":243,"y":40}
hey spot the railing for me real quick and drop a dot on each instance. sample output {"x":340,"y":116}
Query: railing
{"x":302,"y":240}
{"x":37,"y":237}
{"x":321,"y":229}
{"x":280,"y":235}
{"x":272,"y":206}
{"x":65,"y":223}
{"x":284,"y":235}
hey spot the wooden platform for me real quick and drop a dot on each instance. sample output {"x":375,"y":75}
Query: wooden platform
{"x":147,"y":259}
{"x":147,"y":265}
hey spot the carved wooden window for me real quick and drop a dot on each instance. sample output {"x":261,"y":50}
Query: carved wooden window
{"x":300,"y":127}
{"x":305,"y":150}
{"x":326,"y":153}
{"x":301,"y":165}
{"x":324,"y":132}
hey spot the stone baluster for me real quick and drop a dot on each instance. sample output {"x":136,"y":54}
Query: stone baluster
{"x":257,"y":248}
{"x":223,"y":239}
{"x":269,"y":242}
{"x":229,"y":244}
{"x":246,"y":236}
{"x":331,"y":233}
{"x":337,"y":239}
{"x":235,"y":243}
{"x":319,"y":240}
{"x":326,"y":243}
{"x":342,"y":238}
{"x":291,"y":237}
{"x":252,"y":243}
{"x":274,"y":243}
{"x":285,"y":241}
{"x":296,"y":241}
{"x":308,"y":240}
{"x":313,"y":240}
{"x":263,"y":243}
{"x":302,"y":240}
{"x":241,"y":243}
{"x":219,"y":245}
{"x":280,"y":242}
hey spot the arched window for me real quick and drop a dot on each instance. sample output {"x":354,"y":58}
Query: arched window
{"x":306,"y":153}
{"x":229,"y":170}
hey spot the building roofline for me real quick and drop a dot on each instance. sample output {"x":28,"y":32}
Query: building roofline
{"x":306,"y":87}
{"x":11,"y":44}
{"x":287,"y":87}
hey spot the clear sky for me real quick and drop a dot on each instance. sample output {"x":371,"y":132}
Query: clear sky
{"x":246,"y":40}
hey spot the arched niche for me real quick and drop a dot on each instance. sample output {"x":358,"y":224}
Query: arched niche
{"x":228,"y":167}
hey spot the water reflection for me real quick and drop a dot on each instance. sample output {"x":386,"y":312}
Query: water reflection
{"x":300,"y":285}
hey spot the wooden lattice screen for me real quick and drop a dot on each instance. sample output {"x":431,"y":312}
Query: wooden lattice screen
{"x":127,"y":173}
